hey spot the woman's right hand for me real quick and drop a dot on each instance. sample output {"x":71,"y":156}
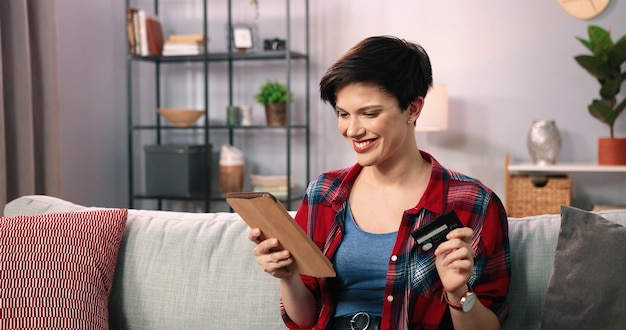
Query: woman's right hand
{"x":272,"y":261}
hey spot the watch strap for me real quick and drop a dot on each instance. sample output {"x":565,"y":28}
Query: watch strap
{"x":444,"y":298}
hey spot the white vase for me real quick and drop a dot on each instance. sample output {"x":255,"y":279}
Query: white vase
{"x":544,"y":142}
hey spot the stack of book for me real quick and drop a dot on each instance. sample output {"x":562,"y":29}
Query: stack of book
{"x":277,"y":185}
{"x":184,"y":44}
{"x":145,"y":34}
{"x":605,"y":207}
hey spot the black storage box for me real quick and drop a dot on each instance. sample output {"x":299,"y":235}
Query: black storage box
{"x":177,"y":170}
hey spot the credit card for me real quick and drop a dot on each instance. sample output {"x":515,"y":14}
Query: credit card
{"x":434,"y":233}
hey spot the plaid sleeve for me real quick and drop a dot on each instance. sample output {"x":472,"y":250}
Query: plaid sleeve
{"x":493,"y":259}
{"x":312,"y":283}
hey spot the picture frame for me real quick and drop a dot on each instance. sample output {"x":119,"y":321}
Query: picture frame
{"x":244,"y":36}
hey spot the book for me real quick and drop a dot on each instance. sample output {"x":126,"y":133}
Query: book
{"x":155,"y":36}
{"x":136,"y":32}
{"x":271,"y":189}
{"x":186,"y":38}
{"x":182,"y":49}
{"x":130,"y":30}
{"x":171,"y":46}
{"x":262,"y":210}
{"x":271,"y":180}
{"x":144,"y":49}
{"x":605,"y":207}
{"x":278,"y":193}
{"x":184,"y":44}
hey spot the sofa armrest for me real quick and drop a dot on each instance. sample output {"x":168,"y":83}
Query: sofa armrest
{"x":39,"y":204}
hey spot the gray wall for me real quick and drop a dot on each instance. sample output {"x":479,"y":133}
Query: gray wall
{"x":505,"y":64}
{"x":93,"y":101}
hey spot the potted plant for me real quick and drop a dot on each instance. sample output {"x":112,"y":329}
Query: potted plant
{"x":273,"y":95}
{"x":605,"y":64}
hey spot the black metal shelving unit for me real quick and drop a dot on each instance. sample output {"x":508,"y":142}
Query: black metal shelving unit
{"x":208,"y":126}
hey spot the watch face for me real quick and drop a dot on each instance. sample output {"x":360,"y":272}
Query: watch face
{"x":468,"y":301}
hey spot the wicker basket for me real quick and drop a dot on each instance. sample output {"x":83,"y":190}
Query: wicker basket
{"x":528,"y":195}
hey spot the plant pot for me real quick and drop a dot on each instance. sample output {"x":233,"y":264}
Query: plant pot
{"x":276,"y":114}
{"x":612,"y":151}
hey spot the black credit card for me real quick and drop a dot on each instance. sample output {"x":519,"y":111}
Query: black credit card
{"x":434,"y":233}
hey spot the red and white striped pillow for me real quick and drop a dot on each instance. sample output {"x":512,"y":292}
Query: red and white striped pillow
{"x":56,"y":270}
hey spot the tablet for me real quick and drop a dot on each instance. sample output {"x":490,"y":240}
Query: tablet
{"x":262,"y":210}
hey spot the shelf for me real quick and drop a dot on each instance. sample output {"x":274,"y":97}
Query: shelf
{"x":549,"y":184}
{"x":213,"y":127}
{"x":295,"y":196}
{"x":256,"y":127}
{"x":565,"y":168}
{"x":225,"y":56}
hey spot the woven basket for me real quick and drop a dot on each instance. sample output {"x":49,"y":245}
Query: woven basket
{"x":528,"y":195}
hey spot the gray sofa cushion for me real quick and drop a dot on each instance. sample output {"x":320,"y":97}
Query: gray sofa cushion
{"x":586,"y":289}
{"x":533,"y":241}
{"x":533,"y":244}
{"x":190,"y":271}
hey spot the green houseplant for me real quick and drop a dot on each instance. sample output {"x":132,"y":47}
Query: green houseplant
{"x":605,"y":64}
{"x":274,"y":96}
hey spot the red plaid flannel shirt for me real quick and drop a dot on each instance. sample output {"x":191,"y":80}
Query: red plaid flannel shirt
{"x":413,"y":289}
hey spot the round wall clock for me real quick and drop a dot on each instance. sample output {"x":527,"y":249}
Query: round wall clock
{"x":584,"y":9}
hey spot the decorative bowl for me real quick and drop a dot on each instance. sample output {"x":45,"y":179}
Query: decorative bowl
{"x":181,"y":117}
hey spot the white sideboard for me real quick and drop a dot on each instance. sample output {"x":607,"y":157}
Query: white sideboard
{"x":563,"y":168}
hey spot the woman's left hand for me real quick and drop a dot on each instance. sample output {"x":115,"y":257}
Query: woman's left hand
{"x":455,"y":260}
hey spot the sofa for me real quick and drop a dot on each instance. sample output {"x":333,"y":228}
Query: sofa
{"x":178,"y":270}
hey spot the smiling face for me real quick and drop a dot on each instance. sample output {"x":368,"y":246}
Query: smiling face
{"x":380,"y":133}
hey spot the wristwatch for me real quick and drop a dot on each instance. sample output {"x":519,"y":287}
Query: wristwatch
{"x":466,"y":303}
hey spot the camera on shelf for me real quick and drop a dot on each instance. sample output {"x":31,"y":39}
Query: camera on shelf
{"x":274,"y":44}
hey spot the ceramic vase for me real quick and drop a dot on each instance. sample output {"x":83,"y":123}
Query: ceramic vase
{"x":232,"y":169}
{"x":544,"y":142}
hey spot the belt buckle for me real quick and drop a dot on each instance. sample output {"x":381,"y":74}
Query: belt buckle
{"x":358,"y":316}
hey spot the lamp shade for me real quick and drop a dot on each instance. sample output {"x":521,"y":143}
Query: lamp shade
{"x":434,"y":115}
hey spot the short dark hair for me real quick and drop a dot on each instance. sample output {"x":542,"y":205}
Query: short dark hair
{"x":399,"y":67}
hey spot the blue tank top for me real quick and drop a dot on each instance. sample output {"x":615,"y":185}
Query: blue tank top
{"x":361,"y":263}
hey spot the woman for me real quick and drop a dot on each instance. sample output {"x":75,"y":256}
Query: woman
{"x":362,"y":217}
